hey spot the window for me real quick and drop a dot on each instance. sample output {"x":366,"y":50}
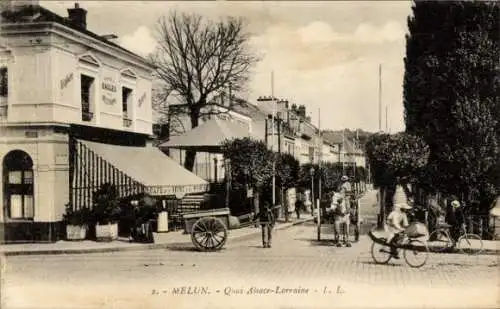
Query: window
{"x":87,"y":89}
{"x":18,"y":185}
{"x":4,"y":91}
{"x":126,"y":103}
{"x":4,"y":82}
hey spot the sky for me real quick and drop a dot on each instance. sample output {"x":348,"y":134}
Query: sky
{"x":324,"y":54}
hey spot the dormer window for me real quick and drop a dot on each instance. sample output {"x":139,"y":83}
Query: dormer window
{"x":126,"y":106}
{"x":87,"y":97}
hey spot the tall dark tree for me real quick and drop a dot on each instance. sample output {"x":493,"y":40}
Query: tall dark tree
{"x":195,"y":60}
{"x":451,"y":93}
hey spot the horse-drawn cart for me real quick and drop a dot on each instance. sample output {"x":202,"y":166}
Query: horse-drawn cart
{"x":326,"y":220}
{"x":208,"y":228}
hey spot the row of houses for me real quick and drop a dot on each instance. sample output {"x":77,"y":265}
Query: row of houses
{"x":293,"y":133}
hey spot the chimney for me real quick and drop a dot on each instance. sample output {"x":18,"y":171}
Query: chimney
{"x":78,"y":16}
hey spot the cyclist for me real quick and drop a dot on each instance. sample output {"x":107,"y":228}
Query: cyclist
{"x":397,"y":222}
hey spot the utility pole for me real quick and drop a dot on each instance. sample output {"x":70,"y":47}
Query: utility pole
{"x":380,"y":97}
{"x":386,"y":126}
{"x":320,"y":157}
{"x":273,"y":140}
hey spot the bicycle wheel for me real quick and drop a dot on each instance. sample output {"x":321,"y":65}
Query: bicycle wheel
{"x":381,"y":254}
{"x":439,"y":241}
{"x":416,"y":257}
{"x":470,"y":244}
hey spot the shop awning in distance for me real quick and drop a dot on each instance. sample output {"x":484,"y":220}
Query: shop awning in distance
{"x":209,"y":136}
{"x":151,"y":167}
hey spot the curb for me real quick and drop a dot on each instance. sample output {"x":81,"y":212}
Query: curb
{"x":137,"y":247}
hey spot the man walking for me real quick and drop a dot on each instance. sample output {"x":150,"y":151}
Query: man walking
{"x":266,"y":220}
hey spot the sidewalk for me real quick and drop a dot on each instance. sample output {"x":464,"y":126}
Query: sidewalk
{"x":161,"y":240}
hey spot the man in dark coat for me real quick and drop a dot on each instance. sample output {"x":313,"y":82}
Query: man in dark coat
{"x":267,"y":221}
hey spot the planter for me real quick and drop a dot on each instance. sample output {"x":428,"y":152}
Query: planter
{"x":162,"y":222}
{"x":106,"y":232}
{"x":76,"y":232}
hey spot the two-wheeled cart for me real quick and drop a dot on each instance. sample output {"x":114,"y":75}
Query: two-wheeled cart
{"x":325,"y":219}
{"x":208,"y":228}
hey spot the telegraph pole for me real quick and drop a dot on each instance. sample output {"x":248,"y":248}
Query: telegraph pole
{"x":380,"y":97}
{"x":273,"y":138}
{"x":320,"y":152}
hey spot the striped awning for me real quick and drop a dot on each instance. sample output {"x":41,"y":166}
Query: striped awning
{"x":150,"y":167}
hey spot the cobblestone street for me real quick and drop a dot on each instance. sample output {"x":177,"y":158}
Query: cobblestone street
{"x":318,"y":274}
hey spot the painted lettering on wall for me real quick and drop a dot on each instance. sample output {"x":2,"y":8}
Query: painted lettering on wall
{"x":109,"y":84}
{"x":109,"y":87}
{"x":65,"y":81}
{"x":142,"y":99}
{"x":109,"y":101}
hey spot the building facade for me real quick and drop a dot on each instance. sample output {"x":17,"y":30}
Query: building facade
{"x":60,"y":82}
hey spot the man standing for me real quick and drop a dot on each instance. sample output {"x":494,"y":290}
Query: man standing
{"x":267,"y":221}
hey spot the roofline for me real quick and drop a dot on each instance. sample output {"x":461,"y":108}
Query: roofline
{"x":79,"y":35}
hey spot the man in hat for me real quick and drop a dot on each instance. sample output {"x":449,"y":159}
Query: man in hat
{"x":397,"y":222}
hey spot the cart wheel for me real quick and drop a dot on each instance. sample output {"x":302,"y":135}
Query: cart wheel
{"x":209,"y":234}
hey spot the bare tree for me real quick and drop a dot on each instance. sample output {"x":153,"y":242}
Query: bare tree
{"x":195,"y":60}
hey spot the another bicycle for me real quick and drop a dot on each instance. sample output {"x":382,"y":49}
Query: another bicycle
{"x":440,"y":240}
{"x":415,"y":251}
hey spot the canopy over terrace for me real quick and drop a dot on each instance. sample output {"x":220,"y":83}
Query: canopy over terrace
{"x":156,"y":172}
{"x":209,"y":136}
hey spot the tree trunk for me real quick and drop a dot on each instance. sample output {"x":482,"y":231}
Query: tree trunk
{"x":256,"y":203}
{"x":191,"y":154}
{"x":381,"y":215}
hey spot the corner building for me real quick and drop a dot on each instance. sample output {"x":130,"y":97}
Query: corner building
{"x":63,"y":89}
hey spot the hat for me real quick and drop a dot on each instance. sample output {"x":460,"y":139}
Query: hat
{"x":344,"y":178}
{"x":402,"y":206}
{"x":455,"y":204}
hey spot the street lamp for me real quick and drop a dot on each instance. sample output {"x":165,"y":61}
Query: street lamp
{"x":311,"y":171}
{"x":227,"y":165}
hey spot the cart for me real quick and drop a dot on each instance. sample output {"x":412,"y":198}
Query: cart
{"x":208,"y":228}
{"x":324,"y":219}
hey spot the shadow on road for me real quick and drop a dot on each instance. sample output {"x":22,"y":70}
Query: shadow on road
{"x":388,"y":264}
{"x":322,"y":243}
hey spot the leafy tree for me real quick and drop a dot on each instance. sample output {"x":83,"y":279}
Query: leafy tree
{"x":251,"y":163}
{"x":451,"y":99}
{"x":395,"y":159}
{"x":287,"y":169}
{"x":197,"y":59}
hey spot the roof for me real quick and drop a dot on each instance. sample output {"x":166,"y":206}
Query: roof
{"x":150,"y":167}
{"x":39,"y":14}
{"x":208,"y":136}
{"x":337,"y":138}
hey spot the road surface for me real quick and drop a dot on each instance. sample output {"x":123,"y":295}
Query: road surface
{"x":297,"y":272}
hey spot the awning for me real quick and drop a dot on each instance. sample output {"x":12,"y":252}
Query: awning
{"x":150,"y":167}
{"x":209,"y":136}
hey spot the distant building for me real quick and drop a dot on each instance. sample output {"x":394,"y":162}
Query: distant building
{"x":347,"y":149}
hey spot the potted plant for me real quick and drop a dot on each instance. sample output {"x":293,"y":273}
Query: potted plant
{"x":106,"y":212}
{"x":76,"y":222}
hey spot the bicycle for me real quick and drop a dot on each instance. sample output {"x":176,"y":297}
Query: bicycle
{"x":415,"y":251}
{"x":440,"y":240}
